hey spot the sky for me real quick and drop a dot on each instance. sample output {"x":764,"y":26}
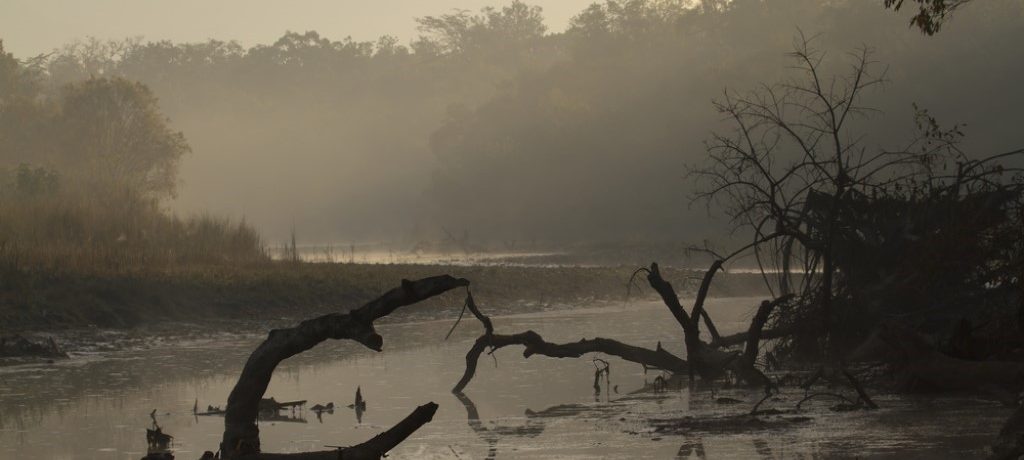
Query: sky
{"x":31,"y":27}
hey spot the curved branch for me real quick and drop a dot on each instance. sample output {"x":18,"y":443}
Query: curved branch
{"x":241,"y":435}
{"x":374,"y":449}
{"x":536,"y":345}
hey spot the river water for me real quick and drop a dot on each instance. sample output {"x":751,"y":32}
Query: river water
{"x":97,"y":406}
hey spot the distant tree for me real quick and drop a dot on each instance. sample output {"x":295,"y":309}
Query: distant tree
{"x":15,"y":79}
{"x":23,"y":113}
{"x":89,"y":58}
{"x":112,"y":131}
{"x":461,"y":32}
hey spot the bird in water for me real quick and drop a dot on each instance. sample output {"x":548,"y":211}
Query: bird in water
{"x":360,"y":404}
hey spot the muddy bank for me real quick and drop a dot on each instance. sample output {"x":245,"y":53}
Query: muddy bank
{"x":281,"y":290}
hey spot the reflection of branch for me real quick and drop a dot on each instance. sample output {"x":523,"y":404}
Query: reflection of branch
{"x":491,"y":436}
{"x":695,"y":447}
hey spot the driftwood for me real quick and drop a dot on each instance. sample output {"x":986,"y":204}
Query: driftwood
{"x":373,"y":449}
{"x":691,"y":329}
{"x":241,"y":435}
{"x":707,"y":361}
{"x":703,"y":359}
{"x":536,"y":345}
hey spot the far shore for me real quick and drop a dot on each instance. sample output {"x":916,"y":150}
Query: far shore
{"x":275,"y":291}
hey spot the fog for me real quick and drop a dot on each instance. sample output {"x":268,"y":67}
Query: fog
{"x":32,"y":27}
{"x":514,"y":125}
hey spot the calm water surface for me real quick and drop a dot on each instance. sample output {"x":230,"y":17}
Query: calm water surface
{"x":98,"y":406}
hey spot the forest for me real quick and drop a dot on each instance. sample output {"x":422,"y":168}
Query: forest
{"x":826,"y":196}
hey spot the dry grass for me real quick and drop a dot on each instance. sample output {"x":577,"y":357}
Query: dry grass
{"x":110,"y":233}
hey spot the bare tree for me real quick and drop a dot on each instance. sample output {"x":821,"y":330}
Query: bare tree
{"x":798,"y":179}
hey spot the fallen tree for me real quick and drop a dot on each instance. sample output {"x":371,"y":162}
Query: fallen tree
{"x":534,"y":344}
{"x":708,"y":361}
{"x":241,"y":435}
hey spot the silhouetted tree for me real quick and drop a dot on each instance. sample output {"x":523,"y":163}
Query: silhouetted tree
{"x":857,"y":232}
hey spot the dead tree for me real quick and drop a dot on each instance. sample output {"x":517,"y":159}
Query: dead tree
{"x":707,"y":361}
{"x":241,"y":435}
{"x":823,"y":209}
{"x":534,"y":344}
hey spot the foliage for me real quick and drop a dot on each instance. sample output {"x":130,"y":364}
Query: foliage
{"x":931,"y":14}
{"x":111,"y":130}
{"x":512,"y":26}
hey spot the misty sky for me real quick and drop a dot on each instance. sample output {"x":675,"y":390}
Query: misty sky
{"x":32,"y":27}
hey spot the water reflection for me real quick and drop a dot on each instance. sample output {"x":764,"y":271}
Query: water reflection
{"x":533,"y":426}
{"x":692,"y":448}
{"x":763,"y":448}
{"x":359,"y":406}
{"x":98,"y":407}
{"x":602,"y":368}
{"x":320,"y":410}
{"x":159,"y":442}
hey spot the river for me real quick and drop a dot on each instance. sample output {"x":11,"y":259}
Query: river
{"x":97,"y":405}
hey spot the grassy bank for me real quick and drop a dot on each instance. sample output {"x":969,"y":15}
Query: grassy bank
{"x":269,"y":291}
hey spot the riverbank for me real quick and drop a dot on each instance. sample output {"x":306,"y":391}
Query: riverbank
{"x":279,"y":291}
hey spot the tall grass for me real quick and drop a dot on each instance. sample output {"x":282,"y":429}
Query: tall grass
{"x":93,"y":230}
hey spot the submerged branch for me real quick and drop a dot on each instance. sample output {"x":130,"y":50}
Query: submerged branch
{"x":241,"y":435}
{"x":374,"y":449}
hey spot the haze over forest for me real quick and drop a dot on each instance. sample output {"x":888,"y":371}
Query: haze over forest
{"x":495,"y":124}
